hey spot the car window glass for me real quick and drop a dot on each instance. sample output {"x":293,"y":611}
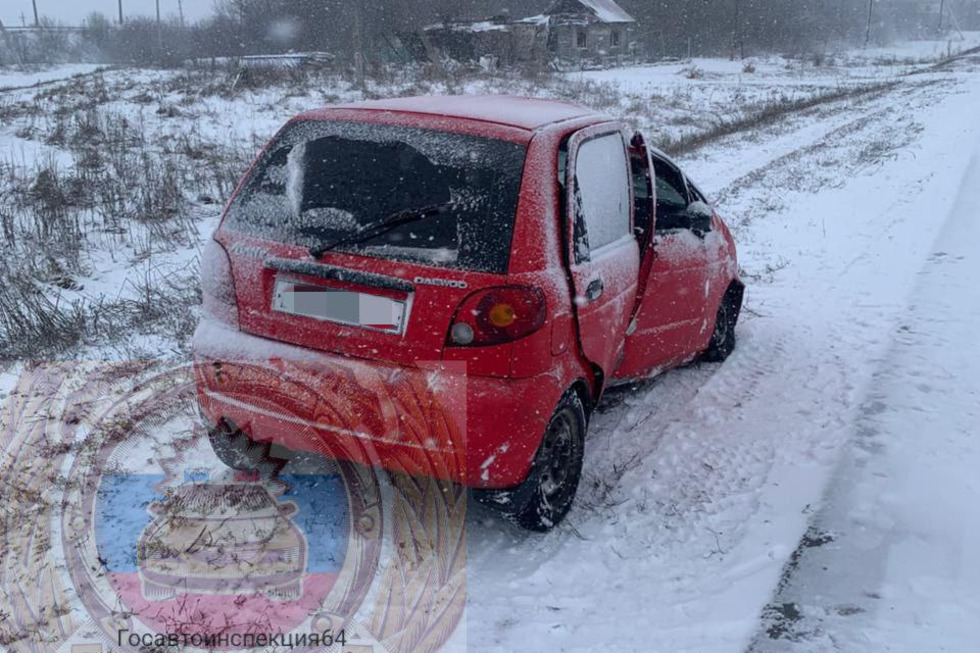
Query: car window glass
{"x":642,"y":195}
{"x":671,"y":196}
{"x":641,"y":182}
{"x":602,"y":194}
{"x":562,"y":163}
{"x":322,"y":181}
{"x":696,"y":195}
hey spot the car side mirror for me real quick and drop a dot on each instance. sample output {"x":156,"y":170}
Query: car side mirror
{"x":698,"y":216}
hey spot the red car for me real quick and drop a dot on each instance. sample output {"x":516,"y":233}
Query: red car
{"x":536,"y":249}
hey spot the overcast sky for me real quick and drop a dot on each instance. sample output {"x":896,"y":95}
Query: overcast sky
{"x":73,"y":12}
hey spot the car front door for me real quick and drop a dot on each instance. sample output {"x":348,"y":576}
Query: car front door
{"x":670,"y":321}
{"x":603,"y":254}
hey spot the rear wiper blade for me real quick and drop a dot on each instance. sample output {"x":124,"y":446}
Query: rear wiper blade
{"x":381,"y":227}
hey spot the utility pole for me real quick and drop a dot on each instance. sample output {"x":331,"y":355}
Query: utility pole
{"x":159,"y":32}
{"x":358,"y":47}
{"x":37,"y":19}
{"x":120,"y":13}
{"x":871,"y":11}
{"x":737,"y":30}
{"x":241,"y":26}
{"x":942,"y":10}
{"x":180,"y":11}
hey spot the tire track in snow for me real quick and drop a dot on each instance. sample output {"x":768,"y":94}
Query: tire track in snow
{"x":735,"y":160}
{"x":902,"y":572}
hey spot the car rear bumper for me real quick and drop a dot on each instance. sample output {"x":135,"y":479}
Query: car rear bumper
{"x":431,"y":419}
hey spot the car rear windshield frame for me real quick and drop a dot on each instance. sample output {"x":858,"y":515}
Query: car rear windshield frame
{"x":368,"y":171}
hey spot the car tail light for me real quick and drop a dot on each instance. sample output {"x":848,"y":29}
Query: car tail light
{"x":218,"y":285}
{"x":497,"y":316}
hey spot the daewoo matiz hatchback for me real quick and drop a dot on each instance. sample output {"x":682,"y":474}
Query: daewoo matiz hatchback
{"x":523,"y":254}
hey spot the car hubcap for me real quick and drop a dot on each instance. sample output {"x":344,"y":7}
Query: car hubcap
{"x":557,"y":456}
{"x":721,"y":329}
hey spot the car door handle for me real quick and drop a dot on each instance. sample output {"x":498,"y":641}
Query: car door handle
{"x":595,"y":290}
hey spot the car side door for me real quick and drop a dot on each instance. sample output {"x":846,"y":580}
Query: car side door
{"x":603,"y":254}
{"x":670,"y":321}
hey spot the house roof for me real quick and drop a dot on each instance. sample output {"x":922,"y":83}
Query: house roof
{"x":606,"y":11}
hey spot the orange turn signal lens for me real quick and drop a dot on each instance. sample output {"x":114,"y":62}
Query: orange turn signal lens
{"x":495,"y":316}
{"x":502,"y":315}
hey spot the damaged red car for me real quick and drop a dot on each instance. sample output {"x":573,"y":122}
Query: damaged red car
{"x":400,"y":283}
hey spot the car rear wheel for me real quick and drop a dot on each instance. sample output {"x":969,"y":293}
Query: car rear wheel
{"x":723,"y":338}
{"x":544,"y":499}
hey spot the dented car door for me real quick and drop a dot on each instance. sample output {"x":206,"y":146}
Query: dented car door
{"x":603,"y":253}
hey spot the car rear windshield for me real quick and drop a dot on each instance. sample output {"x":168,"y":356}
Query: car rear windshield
{"x":322,"y":182}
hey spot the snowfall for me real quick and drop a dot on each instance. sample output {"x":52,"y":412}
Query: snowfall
{"x":816,"y":492}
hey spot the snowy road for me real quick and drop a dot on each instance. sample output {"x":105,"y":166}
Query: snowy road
{"x":700,"y":485}
{"x":899,"y":567}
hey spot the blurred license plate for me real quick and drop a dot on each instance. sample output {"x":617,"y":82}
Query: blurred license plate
{"x":342,"y":306}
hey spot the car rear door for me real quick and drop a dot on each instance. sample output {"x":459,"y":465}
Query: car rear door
{"x":603,"y":254}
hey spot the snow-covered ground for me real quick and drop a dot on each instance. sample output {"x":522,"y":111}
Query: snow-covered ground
{"x":37,"y":75}
{"x":893,"y":562}
{"x":718,"y":471}
{"x":856,"y":220}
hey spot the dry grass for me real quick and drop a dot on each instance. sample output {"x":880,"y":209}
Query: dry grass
{"x":767,"y":113}
{"x":106,"y":185}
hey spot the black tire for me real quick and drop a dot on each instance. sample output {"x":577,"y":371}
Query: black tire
{"x":544,"y":499}
{"x":241,"y":453}
{"x":723,"y":338}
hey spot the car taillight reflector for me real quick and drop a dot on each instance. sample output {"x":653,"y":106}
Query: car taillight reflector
{"x":498,"y":315}
{"x":218,"y":285}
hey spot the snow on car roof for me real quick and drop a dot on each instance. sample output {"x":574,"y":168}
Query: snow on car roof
{"x":523,"y":112}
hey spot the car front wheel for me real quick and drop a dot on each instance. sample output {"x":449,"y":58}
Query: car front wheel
{"x":723,"y":338}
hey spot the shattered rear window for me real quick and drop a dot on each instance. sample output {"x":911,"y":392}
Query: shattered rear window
{"x":322,"y":181}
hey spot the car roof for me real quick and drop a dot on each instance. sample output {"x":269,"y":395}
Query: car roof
{"x":512,"y":111}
